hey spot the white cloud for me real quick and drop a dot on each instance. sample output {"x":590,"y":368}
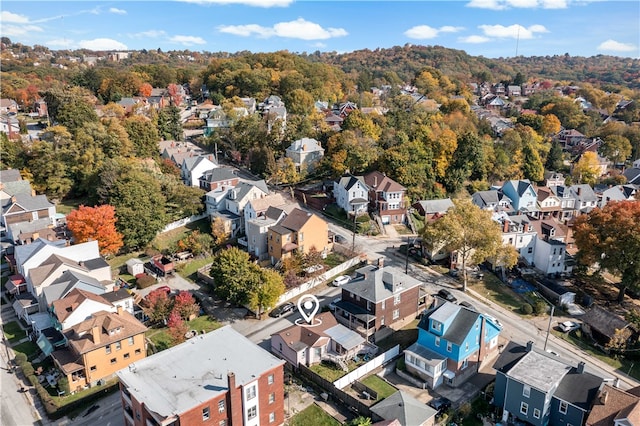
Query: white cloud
{"x":149,"y":33}
{"x":518,"y":4}
{"x":319,"y":45}
{"x":616,"y":46}
{"x":512,"y":31}
{"x":117,"y":11}
{"x":101,"y":44}
{"x":422,"y":32}
{"x":475,"y":39}
{"x":299,"y":29}
{"x":14,"y":18}
{"x":187,"y":40}
{"x":19,"y":30}
{"x":255,"y":3}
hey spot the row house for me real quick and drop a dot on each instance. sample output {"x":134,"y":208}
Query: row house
{"x":453,"y":343}
{"x":522,"y":194}
{"x":298,"y":232}
{"x":492,"y":200}
{"x":378,"y":301}
{"x":100,"y":346}
{"x":538,"y":388}
{"x":617,"y":193}
{"x":227,"y":380}
{"x":518,"y":231}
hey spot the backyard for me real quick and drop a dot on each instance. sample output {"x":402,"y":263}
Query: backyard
{"x":161,"y":339}
{"x":382,"y":388}
{"x":13,"y":332}
{"x":313,"y":415}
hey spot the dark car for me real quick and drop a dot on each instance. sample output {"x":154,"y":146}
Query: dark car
{"x":468,"y":306}
{"x":440,"y":404}
{"x":446,"y":295}
{"x":283,"y":309}
{"x":91,"y":410}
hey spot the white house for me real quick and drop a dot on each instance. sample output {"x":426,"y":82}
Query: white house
{"x":549,"y":256}
{"x":492,"y":200}
{"x":306,"y":153}
{"x":618,"y":193}
{"x":258,"y":206}
{"x":351,"y":194}
{"x":257,"y":231}
{"x":193,"y":168}
{"x":517,"y":231}
{"x":34,"y":254}
{"x":586,"y":199}
{"x":78,"y":306}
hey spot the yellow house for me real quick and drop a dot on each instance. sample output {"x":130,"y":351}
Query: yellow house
{"x":297,"y":232}
{"x":99,"y":346}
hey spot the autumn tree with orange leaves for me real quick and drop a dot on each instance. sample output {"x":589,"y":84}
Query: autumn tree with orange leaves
{"x":145,"y":90}
{"x":96,"y":223}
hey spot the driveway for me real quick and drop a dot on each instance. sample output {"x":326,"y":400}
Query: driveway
{"x":173,"y":281}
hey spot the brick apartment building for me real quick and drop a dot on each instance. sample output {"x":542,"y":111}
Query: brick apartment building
{"x":219,"y":378}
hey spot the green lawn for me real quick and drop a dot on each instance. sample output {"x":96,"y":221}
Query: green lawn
{"x":328,"y":370}
{"x":65,"y":206}
{"x":189,"y":270}
{"x":334,"y":259}
{"x":30,"y":349}
{"x":492,"y":288}
{"x":313,"y":415}
{"x":383,"y":388}
{"x":13,"y":332}
{"x":162,"y":339}
{"x":165,"y":240}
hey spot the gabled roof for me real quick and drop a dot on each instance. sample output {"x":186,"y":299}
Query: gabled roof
{"x":16,"y":187}
{"x":348,"y":181}
{"x":613,"y":403}
{"x":520,"y":186}
{"x":65,"y":307}
{"x":191,"y":162}
{"x":376,"y":284}
{"x":381,"y":182}
{"x":305,"y":145}
{"x":436,"y":206}
{"x":264,"y":203}
{"x":80,"y":337}
{"x":168,"y":385}
{"x":28,"y":202}
{"x":10,"y":175}
{"x":405,"y":408}
{"x":244,"y":188}
{"x":218,"y":174}
{"x":584,"y":193}
{"x":116,"y":296}
{"x":578,"y":388}
{"x":296,"y":220}
{"x":604,"y":321}
{"x":299,"y":337}
{"x":461,"y":325}
{"x":68,"y":281}
{"x":632,"y":175}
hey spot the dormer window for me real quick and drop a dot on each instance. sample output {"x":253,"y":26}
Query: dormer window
{"x":436,"y":325}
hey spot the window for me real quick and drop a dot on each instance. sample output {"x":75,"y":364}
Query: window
{"x":252,"y":412}
{"x":396,"y":299}
{"x":530,"y":250}
{"x":93,"y":368}
{"x":526,"y":391}
{"x":251,"y":392}
{"x":272,"y":417}
{"x":536,"y":413}
{"x":437,"y":341}
{"x":107,"y":349}
{"x":396,"y":314}
{"x":270,"y":379}
{"x":436,"y":325}
{"x":563,"y":407}
{"x":384,"y":304}
{"x":221,"y":406}
{"x":524,"y":408}
{"x":205,"y":413}
{"x":465,"y":364}
{"x":138,"y":351}
{"x":113,"y":360}
{"x":280,"y":347}
{"x":449,"y":346}
{"x":381,"y":320}
{"x":127,"y":356}
{"x":118,"y":346}
{"x":272,"y":397}
{"x":130,"y":340}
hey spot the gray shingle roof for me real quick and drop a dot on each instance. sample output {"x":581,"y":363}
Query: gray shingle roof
{"x":31,"y":203}
{"x":405,"y":408}
{"x":376,"y":285}
{"x":436,"y":206}
{"x":578,"y":389}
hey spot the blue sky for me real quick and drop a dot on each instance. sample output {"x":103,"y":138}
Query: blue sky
{"x":491,"y":28}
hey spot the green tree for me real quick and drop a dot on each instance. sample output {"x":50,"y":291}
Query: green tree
{"x":532,"y":167}
{"x":144,"y":135}
{"x":169,"y":125}
{"x":266,"y":291}
{"x":233,"y":275}
{"x":467,"y":230}
{"x":616,"y":148}
{"x":609,"y":238}
{"x":554,"y":158}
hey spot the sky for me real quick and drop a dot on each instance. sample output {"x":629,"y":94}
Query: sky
{"x":489,"y":28}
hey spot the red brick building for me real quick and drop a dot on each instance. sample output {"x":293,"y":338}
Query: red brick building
{"x":219,"y":378}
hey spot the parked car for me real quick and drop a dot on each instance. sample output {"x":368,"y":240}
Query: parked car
{"x":568,"y":326}
{"x":468,"y":305}
{"x":493,"y":320}
{"x":446,"y":295}
{"x":440,"y":404}
{"x":332,"y":305}
{"x":554,"y":353}
{"x":283,"y":309}
{"x":341,"y":280}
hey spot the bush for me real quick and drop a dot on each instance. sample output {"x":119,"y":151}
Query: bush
{"x":20,"y":358}
{"x":145,"y":280}
{"x":27,"y":369}
{"x":540,"y":307}
{"x":400,"y":364}
{"x":526,"y":309}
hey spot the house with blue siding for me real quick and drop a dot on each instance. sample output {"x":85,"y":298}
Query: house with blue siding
{"x":540,"y":389}
{"x":523,"y":195}
{"x":453,"y":342}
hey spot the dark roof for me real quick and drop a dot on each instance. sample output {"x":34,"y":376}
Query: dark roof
{"x":358,"y":311}
{"x":460,"y":327}
{"x":510,"y":355}
{"x":632,"y":175}
{"x":218,"y":174}
{"x":296,"y":219}
{"x":578,"y":389}
{"x":405,"y":408}
{"x":604,"y":321}
{"x":115,"y":296}
{"x":377,"y":285}
{"x":348,"y":181}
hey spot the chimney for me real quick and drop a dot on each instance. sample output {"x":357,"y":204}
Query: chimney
{"x":231,"y":381}
{"x":505,"y":226}
{"x":13,"y":199}
{"x":375,"y":181}
{"x":529,"y":346}
{"x":95,"y":334}
{"x":579,"y":190}
{"x":120,"y":311}
{"x":616,"y":382}
{"x":580,"y":367}
{"x":381,"y":262}
{"x":603,"y":397}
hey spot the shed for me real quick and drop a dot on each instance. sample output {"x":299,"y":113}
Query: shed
{"x":601,"y":325}
{"x":135,"y":266}
{"x":557,"y":292}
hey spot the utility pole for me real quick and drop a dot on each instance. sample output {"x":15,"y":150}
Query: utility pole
{"x":406,"y":259}
{"x":550,"y":319}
